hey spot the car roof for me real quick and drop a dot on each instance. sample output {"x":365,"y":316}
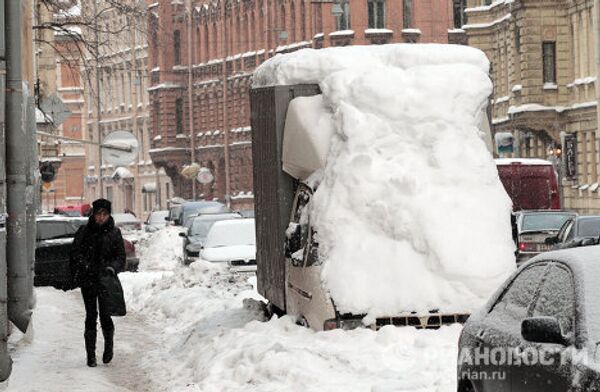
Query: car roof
{"x":60,"y":218}
{"x":213,"y":215}
{"x":526,"y":212}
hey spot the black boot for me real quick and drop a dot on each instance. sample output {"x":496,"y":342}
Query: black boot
{"x":108,"y":345}
{"x":90,"y":347}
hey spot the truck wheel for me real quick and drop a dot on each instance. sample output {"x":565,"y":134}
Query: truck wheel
{"x":272,"y":309}
{"x":301,"y":321}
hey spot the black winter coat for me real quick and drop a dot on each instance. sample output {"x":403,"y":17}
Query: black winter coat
{"x":94,"y":249}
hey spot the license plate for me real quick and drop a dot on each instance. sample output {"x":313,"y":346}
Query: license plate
{"x":543,"y":247}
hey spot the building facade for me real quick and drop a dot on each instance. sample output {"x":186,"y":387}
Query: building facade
{"x":58,"y":76}
{"x":202,"y":54}
{"x":544,"y":57}
{"x":117,"y":99}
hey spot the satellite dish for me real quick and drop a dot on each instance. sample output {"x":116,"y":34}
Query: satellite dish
{"x":120,"y":148}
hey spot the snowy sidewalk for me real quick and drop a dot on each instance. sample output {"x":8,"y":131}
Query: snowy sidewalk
{"x":55,"y":360}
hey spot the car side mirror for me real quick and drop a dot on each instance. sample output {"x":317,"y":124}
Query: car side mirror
{"x":293,"y":240}
{"x":182,"y":235}
{"x":167,"y":218}
{"x":551,"y":240}
{"x":542,"y":330}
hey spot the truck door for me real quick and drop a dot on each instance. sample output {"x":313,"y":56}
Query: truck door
{"x":305,"y":295}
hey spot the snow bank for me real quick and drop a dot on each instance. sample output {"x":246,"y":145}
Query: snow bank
{"x":410,"y":212}
{"x":214,"y":340}
{"x":161,"y":250}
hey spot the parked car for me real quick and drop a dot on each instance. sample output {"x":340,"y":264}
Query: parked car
{"x":577,"y":231}
{"x":54,"y":240}
{"x":232,"y":241}
{"x":534,"y":226}
{"x":156,"y":220}
{"x":127,"y":221}
{"x":532,"y":184}
{"x":175,"y":215}
{"x":192,"y":208}
{"x":195,"y":235}
{"x":247,"y":213}
{"x":73,"y":210}
{"x":543,"y":326}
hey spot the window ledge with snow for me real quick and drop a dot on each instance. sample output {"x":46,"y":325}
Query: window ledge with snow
{"x":550,"y":86}
{"x":411,"y":31}
{"x":379,"y":32}
{"x":517,"y":88}
{"x":181,"y":136}
{"x":594,"y":187}
{"x":342,"y":33}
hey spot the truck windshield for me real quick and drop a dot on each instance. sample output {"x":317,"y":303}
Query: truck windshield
{"x":533,"y":222}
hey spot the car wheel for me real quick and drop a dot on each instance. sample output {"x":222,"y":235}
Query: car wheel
{"x":465,"y":386}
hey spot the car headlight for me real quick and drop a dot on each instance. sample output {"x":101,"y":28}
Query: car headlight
{"x":194,"y":247}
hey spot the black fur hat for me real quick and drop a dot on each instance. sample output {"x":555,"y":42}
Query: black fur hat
{"x":101,"y":204}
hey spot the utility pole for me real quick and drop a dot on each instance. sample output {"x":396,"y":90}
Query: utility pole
{"x":134,"y":103}
{"x":190,"y":92}
{"x":98,"y":115}
{"x":225,"y":114}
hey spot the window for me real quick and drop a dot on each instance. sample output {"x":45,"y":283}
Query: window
{"x":376,"y":14}
{"x":549,"y":57}
{"x":569,"y":232}
{"x":179,"y":115}
{"x":298,"y":237}
{"x":343,"y":20}
{"x":407,"y":14}
{"x":177,"y":47}
{"x":460,"y":18}
{"x":517,"y":39}
{"x":487,"y":2}
{"x":516,"y":299}
{"x":557,"y":298}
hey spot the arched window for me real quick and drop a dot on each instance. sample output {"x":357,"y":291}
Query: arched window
{"x":205,"y":45}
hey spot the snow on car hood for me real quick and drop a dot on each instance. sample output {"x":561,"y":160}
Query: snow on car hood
{"x":228,"y":253}
{"x":410,"y":213}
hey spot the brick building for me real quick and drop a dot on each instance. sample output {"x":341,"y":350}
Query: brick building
{"x":545,"y":70}
{"x":228,"y":40}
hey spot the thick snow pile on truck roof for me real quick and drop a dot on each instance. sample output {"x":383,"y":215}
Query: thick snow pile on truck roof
{"x":409,"y":211}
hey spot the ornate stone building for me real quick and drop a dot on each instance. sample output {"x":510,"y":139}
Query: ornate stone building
{"x":207,"y":50}
{"x":58,"y":75}
{"x":123,"y":81}
{"x":544,"y":57}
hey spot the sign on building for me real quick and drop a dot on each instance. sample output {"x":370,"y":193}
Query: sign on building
{"x":570,"y":155}
{"x":504,"y":142}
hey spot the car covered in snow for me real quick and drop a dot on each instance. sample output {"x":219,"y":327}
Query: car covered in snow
{"x":195,"y":235}
{"x":231,"y":241}
{"x":576,"y":231}
{"x":194,"y":208}
{"x":156,"y":221}
{"x":127,"y":221}
{"x":373,"y":206}
{"x":540,"y":331}
{"x":534,"y":226}
{"x":55,"y":235}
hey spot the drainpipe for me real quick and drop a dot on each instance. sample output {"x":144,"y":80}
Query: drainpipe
{"x":31,"y":192}
{"x":5,"y":361}
{"x":16,"y":174}
{"x":596,"y":19}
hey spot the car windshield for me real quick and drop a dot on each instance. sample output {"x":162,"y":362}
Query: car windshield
{"x":588,"y":228}
{"x":158,"y":217}
{"x":231,"y":233}
{"x":533,"y":222}
{"x":202,"y":224}
{"x":51,"y":230}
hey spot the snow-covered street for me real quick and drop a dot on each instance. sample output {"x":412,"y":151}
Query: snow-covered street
{"x":189,"y":329}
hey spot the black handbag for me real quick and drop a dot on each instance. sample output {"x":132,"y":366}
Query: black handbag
{"x":112,"y":293}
